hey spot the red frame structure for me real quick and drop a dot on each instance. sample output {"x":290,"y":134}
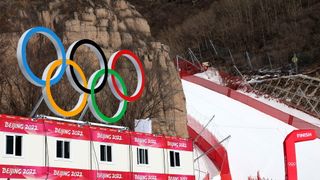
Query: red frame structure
{"x":290,"y":159}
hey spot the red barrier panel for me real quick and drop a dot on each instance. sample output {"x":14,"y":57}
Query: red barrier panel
{"x":205,"y":142}
{"x":186,"y":68}
{"x":267,"y":109}
{"x":274,"y":112}
{"x":301,"y":124}
{"x":238,"y":96}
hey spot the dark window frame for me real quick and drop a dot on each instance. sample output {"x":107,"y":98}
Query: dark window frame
{"x":106,"y":153}
{"x":174,"y":159}
{"x":142,"y":156}
{"x":15,"y":147}
{"x":63,"y":149}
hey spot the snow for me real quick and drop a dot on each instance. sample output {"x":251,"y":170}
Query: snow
{"x":256,"y":142}
{"x":283,"y":107}
{"x":308,"y":160}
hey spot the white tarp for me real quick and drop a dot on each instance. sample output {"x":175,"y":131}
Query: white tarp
{"x":143,"y":125}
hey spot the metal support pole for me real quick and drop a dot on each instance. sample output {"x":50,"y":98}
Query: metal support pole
{"x":269,"y":61}
{"x":214,"y":48}
{"x":199,"y":47}
{"x":196,"y":139}
{"x":177,"y":61}
{"x":249,"y":60}
{"x":231,"y":56}
{"x":212,"y":148}
{"x":238,"y":71}
{"x":194,"y":58}
{"x":83,"y":112}
{"x":243,"y":78}
{"x":36,"y":107}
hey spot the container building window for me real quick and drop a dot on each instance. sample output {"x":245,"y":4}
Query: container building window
{"x":105,"y":153}
{"x":174,"y":159}
{"x":142,"y":156}
{"x":63,"y":149}
{"x":14,"y":145}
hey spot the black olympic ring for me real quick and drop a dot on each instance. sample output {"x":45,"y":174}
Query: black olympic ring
{"x":103,"y":61}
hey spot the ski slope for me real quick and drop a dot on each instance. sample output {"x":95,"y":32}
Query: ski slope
{"x":256,"y":142}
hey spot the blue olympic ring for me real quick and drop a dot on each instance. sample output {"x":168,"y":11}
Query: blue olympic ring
{"x":22,"y":55}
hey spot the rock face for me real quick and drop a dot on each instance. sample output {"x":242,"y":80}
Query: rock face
{"x":116,"y":25}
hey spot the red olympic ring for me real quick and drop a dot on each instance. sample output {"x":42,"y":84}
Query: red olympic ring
{"x":141,"y":74}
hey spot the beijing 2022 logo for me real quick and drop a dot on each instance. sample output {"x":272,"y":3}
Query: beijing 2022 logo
{"x":87,"y":90}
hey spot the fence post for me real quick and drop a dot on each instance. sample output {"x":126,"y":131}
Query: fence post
{"x":194,"y":58}
{"x":177,"y":61}
{"x":214,"y":48}
{"x":269,"y":61}
{"x":249,"y":60}
{"x":231,"y":57}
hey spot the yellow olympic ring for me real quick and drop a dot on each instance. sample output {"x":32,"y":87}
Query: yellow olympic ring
{"x":83,"y":97}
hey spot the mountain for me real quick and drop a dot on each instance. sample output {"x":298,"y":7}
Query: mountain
{"x":113,"y":25}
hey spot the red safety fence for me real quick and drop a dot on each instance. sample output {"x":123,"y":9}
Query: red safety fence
{"x":267,"y":109}
{"x":206,"y":141}
{"x":186,"y":68}
{"x":233,"y":82}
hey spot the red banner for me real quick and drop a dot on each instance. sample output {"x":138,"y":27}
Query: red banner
{"x":149,"y":176}
{"x":67,"y":130}
{"x":20,"y":125}
{"x":176,"y":143}
{"x":111,"y":175}
{"x":150,"y":140}
{"x":35,"y":172}
{"x":101,"y":134}
{"x":23,"y":172}
{"x":68,"y":173}
{"x":180,"y":177}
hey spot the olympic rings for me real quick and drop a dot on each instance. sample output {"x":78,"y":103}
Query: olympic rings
{"x":291,"y":164}
{"x":77,"y":78}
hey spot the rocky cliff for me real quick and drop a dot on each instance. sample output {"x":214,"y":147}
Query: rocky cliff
{"x":113,"y":25}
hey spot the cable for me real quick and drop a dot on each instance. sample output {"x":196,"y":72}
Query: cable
{"x":46,"y":149}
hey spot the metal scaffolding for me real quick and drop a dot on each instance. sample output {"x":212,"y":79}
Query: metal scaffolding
{"x":299,"y":91}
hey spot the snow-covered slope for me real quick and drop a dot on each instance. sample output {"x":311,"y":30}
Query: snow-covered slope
{"x":256,"y":138}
